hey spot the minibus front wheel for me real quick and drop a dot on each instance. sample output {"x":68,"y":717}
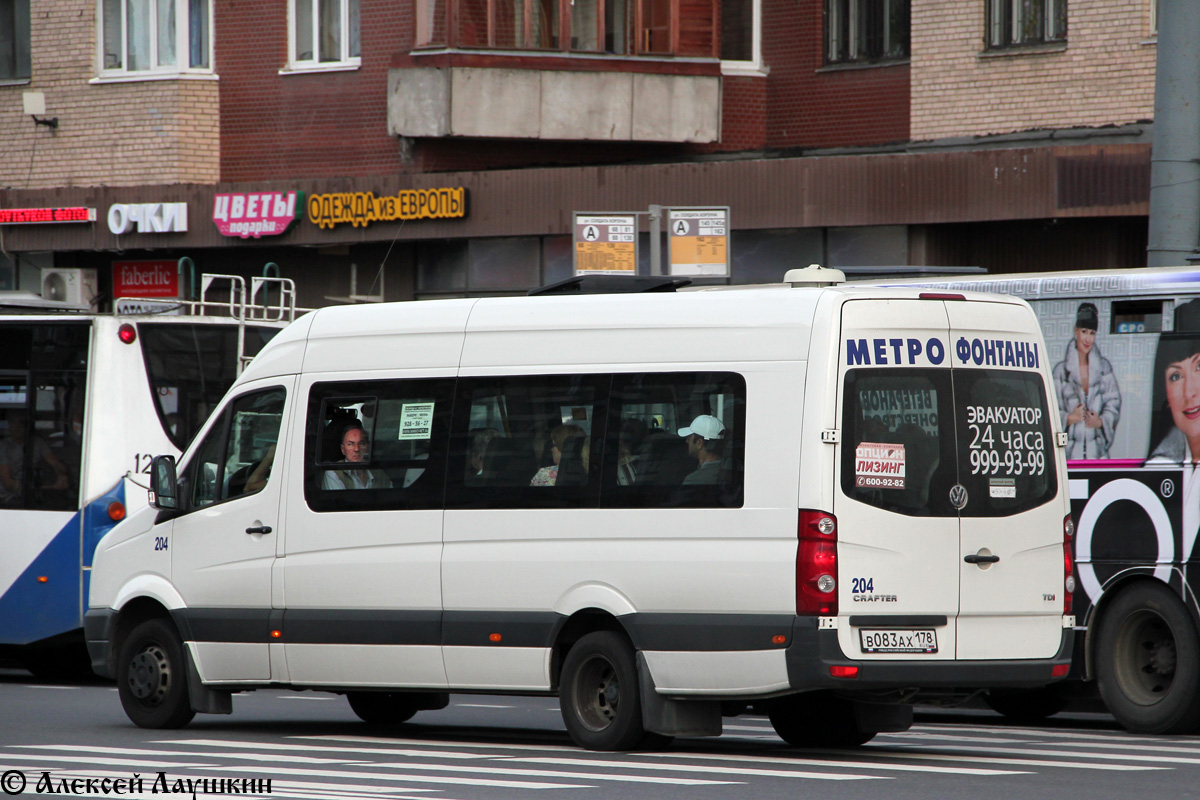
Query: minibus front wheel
{"x":599,"y":693}
{"x":152,"y":677}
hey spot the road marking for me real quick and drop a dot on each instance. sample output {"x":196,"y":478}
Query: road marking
{"x":385,"y":751}
{"x":589,"y":776}
{"x":1025,"y":762}
{"x":304,"y":697}
{"x":383,"y":776}
{"x":183,"y":754}
{"x":837,"y":763}
{"x":428,"y":743}
{"x":765,"y":773}
{"x":112,"y":762}
{"x":49,"y":686}
{"x":479,"y":705}
{"x":1031,"y":752}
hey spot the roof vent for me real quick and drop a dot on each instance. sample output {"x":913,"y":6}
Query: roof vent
{"x":814,"y":275}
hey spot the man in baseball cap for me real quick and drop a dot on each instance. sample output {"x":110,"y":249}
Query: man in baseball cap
{"x":705,"y":441}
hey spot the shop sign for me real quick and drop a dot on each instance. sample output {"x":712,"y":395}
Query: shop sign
{"x":39,"y":216}
{"x":149,"y":217}
{"x":360,"y":209}
{"x":256,"y":214}
{"x":145,"y":279}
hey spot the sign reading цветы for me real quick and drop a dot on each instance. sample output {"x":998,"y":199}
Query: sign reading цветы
{"x":605,"y":244}
{"x":256,"y":214}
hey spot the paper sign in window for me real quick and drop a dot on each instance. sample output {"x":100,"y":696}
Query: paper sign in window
{"x":416,"y":421}
{"x":879,"y":465}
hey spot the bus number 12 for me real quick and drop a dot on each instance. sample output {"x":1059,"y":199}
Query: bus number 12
{"x":141,"y":463}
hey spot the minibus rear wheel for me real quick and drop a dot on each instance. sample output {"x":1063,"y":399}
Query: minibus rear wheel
{"x":599,"y":694}
{"x":152,"y":677}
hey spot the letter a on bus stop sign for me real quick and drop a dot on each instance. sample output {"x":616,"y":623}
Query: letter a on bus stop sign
{"x":699,"y":241}
{"x":605,"y":244}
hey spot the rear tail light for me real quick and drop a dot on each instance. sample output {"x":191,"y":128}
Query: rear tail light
{"x":1068,"y":565}
{"x":816,"y":565}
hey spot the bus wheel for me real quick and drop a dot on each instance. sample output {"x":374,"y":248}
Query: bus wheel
{"x":152,"y":677}
{"x":599,"y":694}
{"x":1148,"y":661}
{"x":382,"y":708}
{"x":816,"y":720}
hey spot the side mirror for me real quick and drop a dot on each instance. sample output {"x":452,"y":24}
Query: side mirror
{"x":164,"y":485}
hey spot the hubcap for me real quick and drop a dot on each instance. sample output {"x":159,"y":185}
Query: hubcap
{"x":1147,"y":669}
{"x":597,"y":693}
{"x":150,"y":675}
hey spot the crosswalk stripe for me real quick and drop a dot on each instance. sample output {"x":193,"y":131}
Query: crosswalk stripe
{"x":975,"y":759}
{"x":765,"y":773}
{"x":1031,"y":752}
{"x":837,"y":763}
{"x":908,"y":735}
{"x":430,"y":743}
{"x":1159,"y":747}
{"x":951,"y":729}
{"x":590,"y":776}
{"x":285,"y":747}
{"x":383,"y":776}
{"x":111,"y":762}
{"x":83,"y":748}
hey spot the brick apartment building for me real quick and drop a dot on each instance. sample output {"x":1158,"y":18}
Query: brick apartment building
{"x":1012,"y":136}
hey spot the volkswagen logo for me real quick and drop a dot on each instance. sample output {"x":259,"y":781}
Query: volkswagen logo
{"x":958,"y":496}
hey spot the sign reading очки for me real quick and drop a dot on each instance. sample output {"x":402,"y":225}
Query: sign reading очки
{"x":362,"y":208}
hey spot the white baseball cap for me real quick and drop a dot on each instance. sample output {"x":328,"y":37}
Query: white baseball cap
{"x":704,"y":426}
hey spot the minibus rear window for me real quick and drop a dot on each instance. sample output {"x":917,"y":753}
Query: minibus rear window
{"x":898,"y":440}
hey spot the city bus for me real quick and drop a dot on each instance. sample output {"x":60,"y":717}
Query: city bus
{"x":1125,"y":345}
{"x":86,"y":400}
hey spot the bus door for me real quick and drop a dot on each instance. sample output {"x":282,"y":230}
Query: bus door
{"x":1007,"y":464}
{"x":898,"y":533}
{"x":223,"y":543}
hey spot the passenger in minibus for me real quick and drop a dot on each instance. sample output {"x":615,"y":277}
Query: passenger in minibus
{"x":480,"y":438}
{"x":356,"y":448}
{"x":558,"y":437}
{"x":705,"y":441}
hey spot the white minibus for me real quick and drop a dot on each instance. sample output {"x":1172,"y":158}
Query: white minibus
{"x":818,"y":501}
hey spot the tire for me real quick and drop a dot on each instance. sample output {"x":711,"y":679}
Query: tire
{"x":600,"y":696}
{"x":1030,"y":705}
{"x":817,"y":720}
{"x":1148,"y":661}
{"x":382,"y":708}
{"x":152,"y":677}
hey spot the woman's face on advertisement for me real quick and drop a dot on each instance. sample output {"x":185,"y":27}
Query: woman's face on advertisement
{"x":1183,"y":394}
{"x":1084,"y":339}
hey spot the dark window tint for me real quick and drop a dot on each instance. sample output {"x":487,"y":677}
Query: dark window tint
{"x":528,"y":442}
{"x":190,"y":369}
{"x":237,"y":455}
{"x":43,"y":375}
{"x":898,"y":440}
{"x":1005,"y":445}
{"x":377,"y":444}
{"x":866,"y":30}
{"x":675,"y":439}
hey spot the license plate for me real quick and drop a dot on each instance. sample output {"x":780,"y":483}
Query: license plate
{"x":898,"y":640}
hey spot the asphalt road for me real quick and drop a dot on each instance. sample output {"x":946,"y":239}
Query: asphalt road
{"x":310,"y":745}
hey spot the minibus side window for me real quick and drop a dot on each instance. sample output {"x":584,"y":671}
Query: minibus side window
{"x":533,"y":441}
{"x":898,"y":440}
{"x":237,"y":456}
{"x":376,"y":445}
{"x":675,"y":439}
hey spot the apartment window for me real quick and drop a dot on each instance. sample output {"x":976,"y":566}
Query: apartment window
{"x":324,"y":33}
{"x":618,"y":27}
{"x":148,"y":36}
{"x":866,"y":30}
{"x":14,"y":40}
{"x":1020,"y":22}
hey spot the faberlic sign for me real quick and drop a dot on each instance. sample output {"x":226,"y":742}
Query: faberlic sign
{"x":256,"y":214}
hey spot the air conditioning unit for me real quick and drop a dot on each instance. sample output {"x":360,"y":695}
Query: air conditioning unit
{"x":75,"y":286}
